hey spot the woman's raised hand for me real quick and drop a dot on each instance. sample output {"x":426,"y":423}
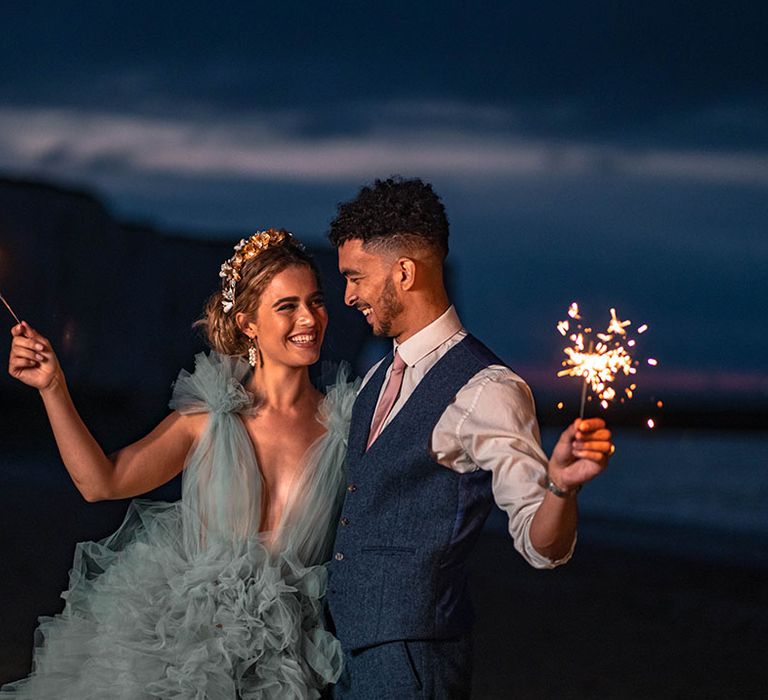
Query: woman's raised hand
{"x":32,"y":359}
{"x":136,"y":469}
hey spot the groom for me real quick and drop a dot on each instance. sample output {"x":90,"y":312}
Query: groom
{"x":440,"y":430}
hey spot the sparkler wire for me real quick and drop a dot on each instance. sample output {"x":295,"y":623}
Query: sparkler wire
{"x":8,"y":306}
{"x":584,"y":384}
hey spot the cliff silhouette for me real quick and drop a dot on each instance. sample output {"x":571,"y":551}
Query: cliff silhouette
{"x":117,"y":299}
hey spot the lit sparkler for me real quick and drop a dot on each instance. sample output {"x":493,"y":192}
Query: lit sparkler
{"x":599,"y":361}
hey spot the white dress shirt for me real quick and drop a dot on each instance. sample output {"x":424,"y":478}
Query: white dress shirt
{"x":490,"y":424}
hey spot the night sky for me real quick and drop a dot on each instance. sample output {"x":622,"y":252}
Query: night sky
{"x":612,"y":153}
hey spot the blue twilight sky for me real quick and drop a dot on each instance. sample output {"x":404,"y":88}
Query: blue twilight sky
{"x":614,"y":153}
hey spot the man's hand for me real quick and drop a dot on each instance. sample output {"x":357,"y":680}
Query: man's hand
{"x":581,"y":453}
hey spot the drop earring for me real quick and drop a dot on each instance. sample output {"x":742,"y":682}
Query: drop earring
{"x":253,"y":352}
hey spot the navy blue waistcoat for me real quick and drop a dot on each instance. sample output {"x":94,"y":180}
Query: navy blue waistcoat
{"x":408,"y":523}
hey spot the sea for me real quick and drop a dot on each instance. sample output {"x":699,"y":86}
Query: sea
{"x":699,"y":494}
{"x":688,"y":493}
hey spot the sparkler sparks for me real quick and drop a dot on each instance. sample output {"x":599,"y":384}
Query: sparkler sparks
{"x":617,"y":326}
{"x":601,"y":360}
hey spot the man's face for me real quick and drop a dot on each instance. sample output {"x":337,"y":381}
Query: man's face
{"x":371,"y":286}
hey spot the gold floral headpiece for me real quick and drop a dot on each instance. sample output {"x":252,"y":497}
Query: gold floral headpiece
{"x":246,"y":249}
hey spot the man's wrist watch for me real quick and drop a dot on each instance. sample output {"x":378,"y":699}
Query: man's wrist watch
{"x":560,"y":493}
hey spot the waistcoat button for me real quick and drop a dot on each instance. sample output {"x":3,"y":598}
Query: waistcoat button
{"x":338,"y":556}
{"x":344,"y":521}
{"x":352,"y":488}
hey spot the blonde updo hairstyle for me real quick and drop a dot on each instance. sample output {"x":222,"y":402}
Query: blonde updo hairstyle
{"x":220,"y":327}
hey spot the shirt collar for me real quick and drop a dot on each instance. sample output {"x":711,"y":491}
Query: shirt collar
{"x":430,"y":337}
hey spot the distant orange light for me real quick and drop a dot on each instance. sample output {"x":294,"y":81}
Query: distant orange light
{"x":560,"y":405}
{"x":659,"y":403}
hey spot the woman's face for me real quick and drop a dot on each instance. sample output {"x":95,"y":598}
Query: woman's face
{"x":291,"y":319}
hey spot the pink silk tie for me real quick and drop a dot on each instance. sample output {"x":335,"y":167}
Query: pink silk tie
{"x":388,"y":398}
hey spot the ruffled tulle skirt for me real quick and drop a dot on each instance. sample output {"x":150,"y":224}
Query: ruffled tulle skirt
{"x":149,"y":615}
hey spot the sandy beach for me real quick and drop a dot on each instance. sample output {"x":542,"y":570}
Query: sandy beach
{"x":618,"y":624}
{"x":615,"y":622}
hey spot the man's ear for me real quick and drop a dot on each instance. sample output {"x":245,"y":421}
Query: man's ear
{"x":406,"y":273}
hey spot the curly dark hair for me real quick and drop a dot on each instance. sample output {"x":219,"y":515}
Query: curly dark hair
{"x":393,"y":212}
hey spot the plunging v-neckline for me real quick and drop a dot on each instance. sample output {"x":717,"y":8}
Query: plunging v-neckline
{"x":297,"y":480}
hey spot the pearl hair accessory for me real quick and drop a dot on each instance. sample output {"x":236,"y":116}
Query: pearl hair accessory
{"x":246,"y":249}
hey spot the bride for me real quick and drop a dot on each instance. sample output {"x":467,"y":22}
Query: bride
{"x":217,"y":595}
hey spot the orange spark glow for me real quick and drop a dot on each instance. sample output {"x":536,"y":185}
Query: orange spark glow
{"x":601,"y":360}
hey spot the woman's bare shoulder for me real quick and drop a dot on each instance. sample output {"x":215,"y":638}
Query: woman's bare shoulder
{"x":192,"y":424}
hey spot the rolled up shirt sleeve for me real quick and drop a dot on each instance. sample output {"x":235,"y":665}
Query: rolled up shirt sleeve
{"x":492,"y":426}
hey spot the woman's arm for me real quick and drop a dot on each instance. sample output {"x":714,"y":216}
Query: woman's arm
{"x":136,"y":469}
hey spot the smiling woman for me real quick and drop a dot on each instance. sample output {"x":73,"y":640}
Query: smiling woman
{"x":218,"y":595}
{"x":230,"y":317}
{"x":287,"y":323}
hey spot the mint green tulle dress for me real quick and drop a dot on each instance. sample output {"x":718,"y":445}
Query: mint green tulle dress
{"x":188,"y":599}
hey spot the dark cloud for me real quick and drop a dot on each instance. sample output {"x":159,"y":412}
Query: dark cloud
{"x":691,"y":72}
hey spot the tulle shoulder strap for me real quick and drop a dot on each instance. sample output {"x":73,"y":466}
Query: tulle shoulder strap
{"x":215,"y":386}
{"x":308,"y":525}
{"x":336,"y":409}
